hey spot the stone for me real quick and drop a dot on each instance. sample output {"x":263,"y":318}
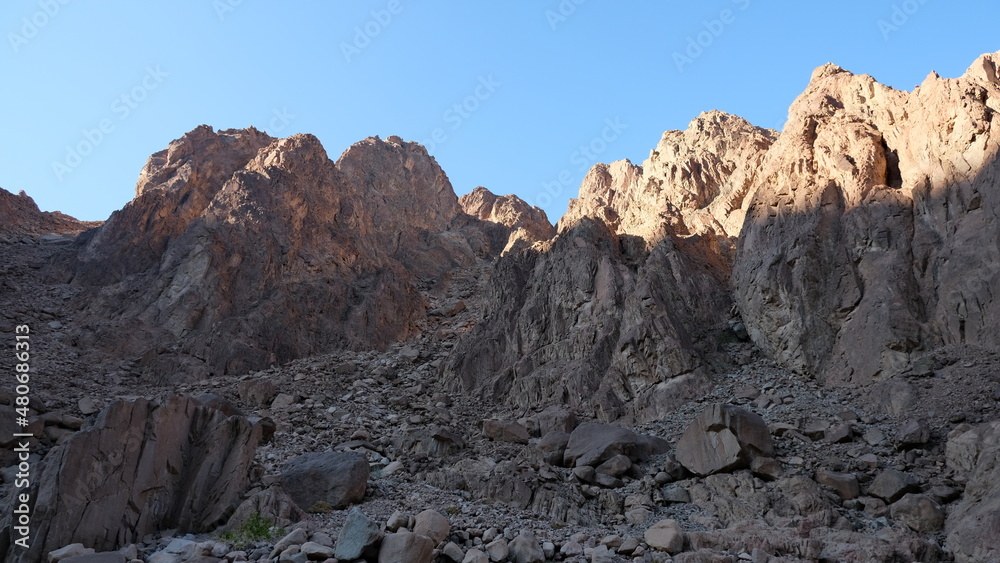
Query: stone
{"x":65,"y":552}
{"x":913,"y":433}
{"x":552,"y":446}
{"x":272,"y":503}
{"x":432,"y":524}
{"x":616,"y":466}
{"x":145,"y":466}
{"x":296,"y":537}
{"x":89,"y":405}
{"x":723,"y":438}
{"x":556,"y":419}
{"x":406,"y":547}
{"x":919,"y":512}
{"x":452,"y":551}
{"x":476,"y":556}
{"x":257,"y":392}
{"x":594,"y":443}
{"x":766,"y":468}
{"x":891,"y":484}
{"x":676,"y":494}
{"x":525,"y":222}
{"x":845,"y":484}
{"x":336,"y":478}
{"x":525,"y":549}
{"x":102,"y":557}
{"x":665,"y":535}
{"x":973,"y":521}
{"x":838,"y":434}
{"x":315,"y":551}
{"x":357,"y":534}
{"x":505,"y":431}
{"x":497,"y":549}
{"x":397,"y":520}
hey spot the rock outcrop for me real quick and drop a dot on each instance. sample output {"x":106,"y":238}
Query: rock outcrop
{"x":525,"y":222}
{"x":143,"y":466}
{"x":618,"y":314}
{"x":240,"y":251}
{"x":873,"y":232}
{"x":19,"y":215}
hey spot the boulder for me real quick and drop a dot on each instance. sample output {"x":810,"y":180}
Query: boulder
{"x":358,"y":534}
{"x":336,"y":478}
{"x":552,"y":445}
{"x":505,"y":431}
{"x":593,"y":443}
{"x":143,"y":466}
{"x":432,"y":524}
{"x":845,"y":484}
{"x":525,"y":549}
{"x":973,"y":524}
{"x":406,"y":547}
{"x":891,"y":484}
{"x":723,"y":438}
{"x":919,"y":512}
{"x":665,"y":535}
{"x":913,"y":433}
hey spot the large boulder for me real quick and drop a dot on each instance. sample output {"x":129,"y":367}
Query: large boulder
{"x":338,"y":479}
{"x":594,"y":443}
{"x":723,"y":438}
{"x":143,"y":466}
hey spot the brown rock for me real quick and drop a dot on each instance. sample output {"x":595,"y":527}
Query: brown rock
{"x":525,"y":222}
{"x":723,"y":438}
{"x":432,"y":524}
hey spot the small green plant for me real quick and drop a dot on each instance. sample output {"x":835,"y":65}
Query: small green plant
{"x":254,"y":529}
{"x":452,"y":510}
{"x":558,"y":524}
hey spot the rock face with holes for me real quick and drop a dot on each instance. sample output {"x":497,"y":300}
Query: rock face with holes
{"x":873,"y":232}
{"x":241,"y":250}
{"x":143,"y":466}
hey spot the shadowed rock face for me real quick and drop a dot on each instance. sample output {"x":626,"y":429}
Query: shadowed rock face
{"x":874,"y":231}
{"x":240,"y":250}
{"x":142,"y":467}
{"x":617,"y":314}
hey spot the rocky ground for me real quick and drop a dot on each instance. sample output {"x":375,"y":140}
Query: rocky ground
{"x":855,"y":474}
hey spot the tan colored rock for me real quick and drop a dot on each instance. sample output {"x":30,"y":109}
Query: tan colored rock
{"x":525,"y":222}
{"x":863,"y":242}
{"x":432,"y":524}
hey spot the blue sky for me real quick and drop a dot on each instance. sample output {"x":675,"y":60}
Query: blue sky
{"x":519,"y":97}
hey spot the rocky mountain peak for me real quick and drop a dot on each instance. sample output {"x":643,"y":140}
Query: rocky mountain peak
{"x":527,"y":222}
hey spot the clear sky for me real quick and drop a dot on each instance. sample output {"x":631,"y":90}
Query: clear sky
{"x":520,"y":97}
